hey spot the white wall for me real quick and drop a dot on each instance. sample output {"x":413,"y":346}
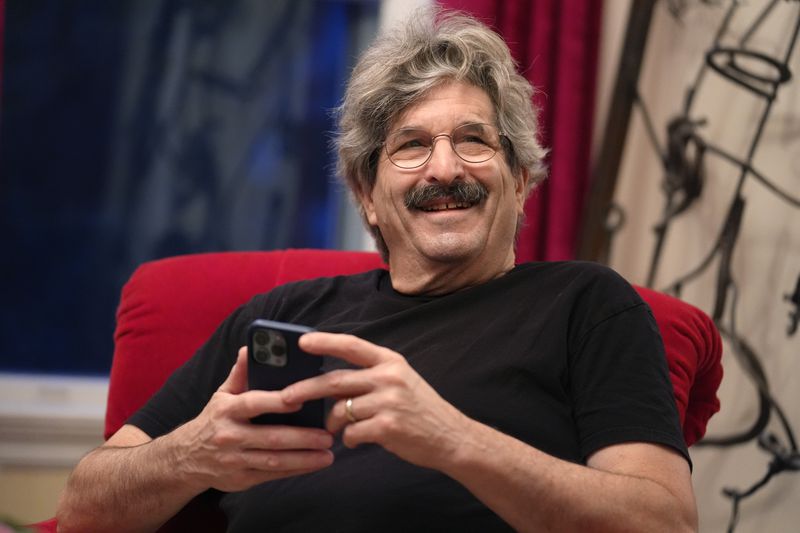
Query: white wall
{"x":46,"y":425}
{"x":766,"y":262}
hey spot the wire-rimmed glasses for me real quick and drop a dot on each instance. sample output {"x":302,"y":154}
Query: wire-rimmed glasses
{"x":473,"y":142}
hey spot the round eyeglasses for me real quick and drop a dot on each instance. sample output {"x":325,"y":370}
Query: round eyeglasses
{"x":411,"y":148}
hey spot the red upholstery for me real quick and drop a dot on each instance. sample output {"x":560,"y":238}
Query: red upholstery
{"x":170,"y":306}
{"x":694,"y":350}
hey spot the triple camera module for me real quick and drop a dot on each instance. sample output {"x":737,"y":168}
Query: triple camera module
{"x":269,"y":348}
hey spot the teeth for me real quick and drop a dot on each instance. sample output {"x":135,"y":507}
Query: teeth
{"x":442,"y":207}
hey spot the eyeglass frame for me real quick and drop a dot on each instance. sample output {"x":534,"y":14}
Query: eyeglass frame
{"x":434,"y":138}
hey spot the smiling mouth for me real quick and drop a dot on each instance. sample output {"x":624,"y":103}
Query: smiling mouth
{"x":436,"y":197}
{"x":445,"y":206}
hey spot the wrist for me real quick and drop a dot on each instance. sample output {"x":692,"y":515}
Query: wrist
{"x":472,"y":444}
{"x":181,"y":456}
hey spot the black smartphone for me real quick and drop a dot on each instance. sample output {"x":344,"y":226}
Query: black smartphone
{"x":274,"y":361}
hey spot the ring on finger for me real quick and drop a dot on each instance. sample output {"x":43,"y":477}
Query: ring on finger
{"x":348,"y":411}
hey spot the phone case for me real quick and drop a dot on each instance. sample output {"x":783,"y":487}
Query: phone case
{"x":274,"y":361}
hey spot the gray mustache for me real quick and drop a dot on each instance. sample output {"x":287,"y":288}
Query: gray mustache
{"x":459,"y":191}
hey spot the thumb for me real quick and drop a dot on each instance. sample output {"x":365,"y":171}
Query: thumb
{"x":237,"y":379}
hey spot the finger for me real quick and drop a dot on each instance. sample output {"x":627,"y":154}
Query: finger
{"x":335,"y":384}
{"x":286,"y":461}
{"x":362,"y":408}
{"x":258,"y":437}
{"x":236,"y":382}
{"x":247,"y":477}
{"x":258,"y":402}
{"x":367,"y":431}
{"x":347,"y":347}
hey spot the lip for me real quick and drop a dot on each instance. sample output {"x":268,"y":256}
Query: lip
{"x":445,"y":205}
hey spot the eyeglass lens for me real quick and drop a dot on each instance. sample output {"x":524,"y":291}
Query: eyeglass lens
{"x":411,"y":148}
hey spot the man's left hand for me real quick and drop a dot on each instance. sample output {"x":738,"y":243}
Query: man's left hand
{"x":392,"y":404}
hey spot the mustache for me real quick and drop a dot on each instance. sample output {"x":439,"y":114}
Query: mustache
{"x":459,"y":191}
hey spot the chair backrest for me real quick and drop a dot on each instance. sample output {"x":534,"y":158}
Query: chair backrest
{"x":171,"y":306}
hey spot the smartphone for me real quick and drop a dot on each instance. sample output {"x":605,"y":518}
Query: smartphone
{"x":274,"y":361}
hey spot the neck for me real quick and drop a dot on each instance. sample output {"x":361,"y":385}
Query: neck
{"x":428,"y":277}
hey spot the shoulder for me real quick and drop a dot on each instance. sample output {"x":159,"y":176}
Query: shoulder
{"x":363,"y":281}
{"x":580,"y":280}
{"x":295,"y":299}
{"x":585,"y":294}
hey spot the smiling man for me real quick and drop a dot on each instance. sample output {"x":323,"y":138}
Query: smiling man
{"x":466,"y":393}
{"x":439,"y":204}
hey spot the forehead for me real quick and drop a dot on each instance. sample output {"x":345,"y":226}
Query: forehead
{"x":447,"y":106}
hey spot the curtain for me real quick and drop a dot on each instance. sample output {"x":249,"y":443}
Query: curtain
{"x":555,"y":45}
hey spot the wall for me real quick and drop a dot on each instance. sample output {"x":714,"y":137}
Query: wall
{"x":766,"y":262}
{"x":29,"y":494}
{"x":46,"y":425}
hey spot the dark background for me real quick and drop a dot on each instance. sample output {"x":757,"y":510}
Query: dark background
{"x":137,"y":130}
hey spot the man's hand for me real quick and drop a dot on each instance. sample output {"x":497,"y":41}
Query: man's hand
{"x":634,"y":486}
{"x":223,"y":450}
{"x":394,"y":407}
{"x":134,"y":483}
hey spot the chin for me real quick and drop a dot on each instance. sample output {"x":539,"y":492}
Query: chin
{"x":450,"y":249}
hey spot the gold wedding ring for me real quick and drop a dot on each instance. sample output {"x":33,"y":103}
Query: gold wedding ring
{"x":348,"y":410}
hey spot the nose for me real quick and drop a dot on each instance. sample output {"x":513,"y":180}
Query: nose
{"x":444,"y":164}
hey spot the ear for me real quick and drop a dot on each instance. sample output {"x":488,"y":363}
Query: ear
{"x":521,"y":189}
{"x":367,"y":207}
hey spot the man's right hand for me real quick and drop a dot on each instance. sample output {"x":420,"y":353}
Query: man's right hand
{"x":221,"y":449}
{"x":134,"y":483}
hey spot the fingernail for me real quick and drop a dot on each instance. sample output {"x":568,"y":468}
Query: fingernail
{"x":329,"y":457}
{"x":286,"y":395}
{"x":303,"y":340}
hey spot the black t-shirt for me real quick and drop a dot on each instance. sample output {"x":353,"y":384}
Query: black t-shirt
{"x":564,"y":356}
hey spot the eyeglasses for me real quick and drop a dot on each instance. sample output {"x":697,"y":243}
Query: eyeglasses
{"x":411,"y":148}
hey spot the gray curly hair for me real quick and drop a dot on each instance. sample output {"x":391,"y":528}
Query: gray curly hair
{"x":432,"y":48}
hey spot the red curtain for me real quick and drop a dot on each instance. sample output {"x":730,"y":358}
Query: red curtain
{"x":555,"y":44}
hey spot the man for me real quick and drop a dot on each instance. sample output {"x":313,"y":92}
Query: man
{"x":467,"y":393}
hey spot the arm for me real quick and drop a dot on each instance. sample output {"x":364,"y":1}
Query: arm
{"x":133,"y":483}
{"x":141,"y":497}
{"x":624,"y":487}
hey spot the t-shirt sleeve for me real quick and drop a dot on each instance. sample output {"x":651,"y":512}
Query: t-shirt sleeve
{"x":186,"y":392}
{"x":618,"y":372}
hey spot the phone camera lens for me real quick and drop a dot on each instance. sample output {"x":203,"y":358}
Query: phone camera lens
{"x":278,"y":350}
{"x":261,"y":338}
{"x":261,"y":356}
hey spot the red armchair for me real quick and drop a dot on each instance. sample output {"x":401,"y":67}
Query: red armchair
{"x":170,"y":306}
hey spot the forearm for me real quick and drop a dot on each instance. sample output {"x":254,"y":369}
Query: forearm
{"x":120,"y":489}
{"x":534,"y":491}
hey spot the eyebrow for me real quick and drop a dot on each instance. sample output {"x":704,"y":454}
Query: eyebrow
{"x":420,"y":127}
